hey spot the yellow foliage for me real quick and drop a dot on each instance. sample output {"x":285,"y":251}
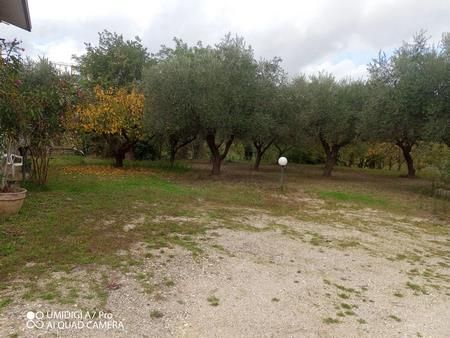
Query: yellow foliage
{"x":104,"y":171}
{"x":112,"y":112}
{"x":382,"y":149}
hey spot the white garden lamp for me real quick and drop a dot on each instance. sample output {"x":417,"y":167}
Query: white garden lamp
{"x":282,"y":161}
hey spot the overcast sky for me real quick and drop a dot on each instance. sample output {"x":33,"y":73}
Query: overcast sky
{"x":337,"y":36}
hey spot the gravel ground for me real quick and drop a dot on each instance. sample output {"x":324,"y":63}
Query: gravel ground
{"x":282,"y":277}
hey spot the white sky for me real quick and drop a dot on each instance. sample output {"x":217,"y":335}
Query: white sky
{"x":337,"y":36}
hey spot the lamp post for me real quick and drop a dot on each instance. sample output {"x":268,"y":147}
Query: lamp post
{"x":282,"y":161}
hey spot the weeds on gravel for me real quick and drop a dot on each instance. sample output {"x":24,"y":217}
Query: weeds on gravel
{"x":343,"y":288}
{"x":169,"y":282}
{"x":395,"y":318}
{"x":353,"y":197}
{"x":213,"y":300}
{"x":330,"y":320}
{"x":78,"y":219}
{"x":4,"y":303}
{"x":416,"y":288}
{"x":154,"y":314}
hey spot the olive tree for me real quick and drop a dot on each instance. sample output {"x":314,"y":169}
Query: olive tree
{"x":12,"y":112}
{"x":169,"y":108}
{"x":403,"y":89}
{"x":47,"y":97}
{"x":223,"y":80}
{"x":330,"y":111}
{"x":439,"y":107}
{"x":114,"y":62}
{"x":270,"y":120}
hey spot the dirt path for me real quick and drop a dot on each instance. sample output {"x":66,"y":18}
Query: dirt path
{"x":374,"y":275}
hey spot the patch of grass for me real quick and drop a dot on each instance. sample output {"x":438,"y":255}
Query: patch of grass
{"x":343,"y":288}
{"x":395,"y":318}
{"x":219,"y":247}
{"x":410,"y":257}
{"x":77,"y":209}
{"x":213,"y":300}
{"x":70,"y":297}
{"x":274,"y":299}
{"x":398,"y":294}
{"x":177,"y":167}
{"x":346,"y":306}
{"x":154,"y":314}
{"x":47,"y":296}
{"x":77,"y":220}
{"x":141,"y":276}
{"x":348,"y":243}
{"x":353,"y":197}
{"x":169,"y":283}
{"x":6,"y":249}
{"x":5,"y":302}
{"x":361,"y":321}
{"x":343,"y":295}
{"x":416,"y":288}
{"x":330,"y":320}
{"x":317,"y":240}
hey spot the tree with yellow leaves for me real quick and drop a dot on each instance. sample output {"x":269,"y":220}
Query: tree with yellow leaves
{"x":115,"y":114}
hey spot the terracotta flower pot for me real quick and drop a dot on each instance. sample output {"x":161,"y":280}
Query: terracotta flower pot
{"x":11,"y":202}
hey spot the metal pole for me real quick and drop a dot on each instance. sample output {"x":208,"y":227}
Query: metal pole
{"x":282,"y":178}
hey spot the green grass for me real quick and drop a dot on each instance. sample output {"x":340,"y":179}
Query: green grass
{"x":5,"y":302}
{"x":330,"y":320}
{"x":343,"y":288}
{"x":164,"y":165}
{"x":346,"y":306}
{"x":395,"y":318}
{"x":398,"y":294}
{"x":78,"y":218}
{"x":353,"y":197}
{"x":416,"y":288}
{"x":213,"y":300}
{"x":169,"y":283}
{"x":155,"y":314}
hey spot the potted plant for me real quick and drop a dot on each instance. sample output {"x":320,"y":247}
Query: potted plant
{"x":11,"y":195}
{"x":11,"y":121}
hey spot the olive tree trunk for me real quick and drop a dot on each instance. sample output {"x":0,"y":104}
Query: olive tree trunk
{"x":216,"y":156}
{"x":406,"y":150}
{"x":332,"y":153}
{"x":260,"y":150}
{"x":176,"y":144}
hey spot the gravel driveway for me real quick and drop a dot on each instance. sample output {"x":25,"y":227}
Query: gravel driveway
{"x":374,"y":275}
